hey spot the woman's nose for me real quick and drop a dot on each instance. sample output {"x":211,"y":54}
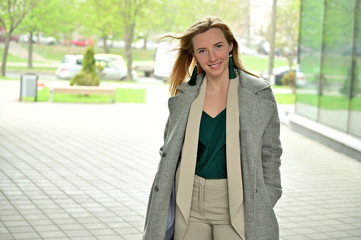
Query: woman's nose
{"x":211,"y":56}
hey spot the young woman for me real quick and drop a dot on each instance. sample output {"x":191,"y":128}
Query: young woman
{"x":218,"y":177}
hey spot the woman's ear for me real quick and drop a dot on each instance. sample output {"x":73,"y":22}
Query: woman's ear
{"x":231,"y":47}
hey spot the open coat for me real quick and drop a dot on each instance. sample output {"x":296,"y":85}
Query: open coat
{"x":260,"y":159}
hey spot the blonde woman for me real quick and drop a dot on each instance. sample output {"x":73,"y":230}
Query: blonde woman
{"x":218,"y":177}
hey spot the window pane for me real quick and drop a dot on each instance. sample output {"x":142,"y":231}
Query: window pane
{"x":355,"y":104}
{"x":336,"y":63}
{"x":310,"y":57}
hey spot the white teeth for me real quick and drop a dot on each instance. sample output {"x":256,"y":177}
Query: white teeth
{"x":215,"y":65}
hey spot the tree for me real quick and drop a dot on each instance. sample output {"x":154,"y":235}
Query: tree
{"x":246,"y":21}
{"x":12,"y":12}
{"x":129,"y":11}
{"x":42,"y":19}
{"x":288,"y":28}
{"x":102,"y":19}
{"x":271,"y":55}
{"x":231,"y":11}
{"x":69,"y":24}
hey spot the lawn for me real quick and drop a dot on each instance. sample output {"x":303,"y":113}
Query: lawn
{"x":285,"y":98}
{"x":141,"y":57}
{"x":123,"y":95}
{"x":10,"y":57}
{"x":330,"y":102}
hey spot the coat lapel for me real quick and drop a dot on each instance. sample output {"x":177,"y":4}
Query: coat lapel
{"x":255,"y":112}
{"x":185,"y":174}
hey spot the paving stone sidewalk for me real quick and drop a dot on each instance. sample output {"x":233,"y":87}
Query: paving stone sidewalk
{"x":84,"y":171}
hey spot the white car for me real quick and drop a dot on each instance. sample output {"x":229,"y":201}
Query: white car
{"x":113,"y":67}
{"x":165,"y":58}
{"x":38,"y":38}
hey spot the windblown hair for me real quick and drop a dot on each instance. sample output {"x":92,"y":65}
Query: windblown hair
{"x":185,"y":60}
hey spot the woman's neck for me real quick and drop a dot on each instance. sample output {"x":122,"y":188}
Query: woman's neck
{"x":217,"y":84}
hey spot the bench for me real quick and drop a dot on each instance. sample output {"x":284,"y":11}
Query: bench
{"x":84,"y":90}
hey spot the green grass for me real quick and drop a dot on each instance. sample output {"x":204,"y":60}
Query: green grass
{"x":285,"y":98}
{"x":123,"y":95}
{"x":37,"y":69}
{"x":10,"y":57}
{"x":8,"y":78}
{"x":259,"y":64}
{"x":141,"y":57}
{"x":57,"y":52}
{"x":330,"y":102}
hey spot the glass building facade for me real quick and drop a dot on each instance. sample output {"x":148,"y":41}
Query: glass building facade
{"x":330,"y":59}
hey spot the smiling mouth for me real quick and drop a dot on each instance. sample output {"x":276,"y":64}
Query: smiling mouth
{"x":215,"y":65}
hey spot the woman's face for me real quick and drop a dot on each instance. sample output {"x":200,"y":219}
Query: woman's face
{"x":211,"y":50}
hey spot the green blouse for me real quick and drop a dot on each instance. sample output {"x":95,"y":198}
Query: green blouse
{"x":211,"y":156}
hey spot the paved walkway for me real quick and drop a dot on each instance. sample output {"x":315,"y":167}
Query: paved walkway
{"x":84,"y":171}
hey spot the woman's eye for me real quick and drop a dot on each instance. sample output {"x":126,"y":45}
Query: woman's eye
{"x":219,"y":46}
{"x":201,"y":51}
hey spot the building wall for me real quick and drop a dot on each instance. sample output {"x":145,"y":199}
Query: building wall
{"x":330,"y":58}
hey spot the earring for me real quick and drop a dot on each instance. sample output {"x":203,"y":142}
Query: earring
{"x":193,"y":79}
{"x":232,"y":73}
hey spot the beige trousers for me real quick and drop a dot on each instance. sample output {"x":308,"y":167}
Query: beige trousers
{"x":209,"y":217}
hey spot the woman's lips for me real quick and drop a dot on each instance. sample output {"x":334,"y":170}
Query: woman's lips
{"x":215,"y":66}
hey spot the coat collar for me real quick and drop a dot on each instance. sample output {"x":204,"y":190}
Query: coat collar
{"x":245,"y":81}
{"x":255,"y":111}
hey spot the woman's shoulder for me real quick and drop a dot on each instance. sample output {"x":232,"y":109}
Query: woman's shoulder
{"x":252,"y":83}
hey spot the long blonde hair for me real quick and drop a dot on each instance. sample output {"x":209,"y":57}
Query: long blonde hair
{"x":185,"y":60}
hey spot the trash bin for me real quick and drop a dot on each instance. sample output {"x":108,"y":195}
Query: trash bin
{"x":28,"y":85}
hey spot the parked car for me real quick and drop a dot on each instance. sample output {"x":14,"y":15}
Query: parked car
{"x":115,"y":59}
{"x":113,"y":67}
{"x":112,"y":43}
{"x":42,"y":39}
{"x":82,"y":41}
{"x":164,"y":60}
{"x":279,"y":72}
{"x":14,"y":38}
{"x":69,"y":66}
{"x":151,"y":45}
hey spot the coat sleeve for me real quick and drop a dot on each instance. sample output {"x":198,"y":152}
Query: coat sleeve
{"x":271,"y":153}
{"x":149,"y":223}
{"x":164,"y":137}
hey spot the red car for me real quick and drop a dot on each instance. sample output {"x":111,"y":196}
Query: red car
{"x":82,"y":41}
{"x":3,"y":36}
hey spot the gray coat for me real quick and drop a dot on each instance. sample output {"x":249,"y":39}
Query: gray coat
{"x":260,"y":158}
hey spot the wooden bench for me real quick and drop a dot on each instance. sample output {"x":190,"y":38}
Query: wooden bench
{"x":84,"y":90}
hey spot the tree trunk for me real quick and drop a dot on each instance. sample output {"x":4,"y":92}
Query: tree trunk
{"x":290,"y":57}
{"x":30,"y":50}
{"x":106,"y":49}
{"x":145,"y":43}
{"x":129,"y":35}
{"x":271,"y":55}
{"x":247,"y":22}
{"x":6,"y":50}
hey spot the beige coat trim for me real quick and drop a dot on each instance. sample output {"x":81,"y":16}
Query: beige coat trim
{"x":185,"y":173}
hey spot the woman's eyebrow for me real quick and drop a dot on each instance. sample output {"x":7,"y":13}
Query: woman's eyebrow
{"x":201,"y":48}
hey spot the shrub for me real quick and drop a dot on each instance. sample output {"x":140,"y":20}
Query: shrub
{"x":85,"y":79}
{"x":88,"y":75}
{"x":290,"y":80}
{"x":89,"y":61}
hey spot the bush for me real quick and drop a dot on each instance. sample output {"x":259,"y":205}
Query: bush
{"x":290,"y":80}
{"x":85,"y":79}
{"x":89,"y":61}
{"x":88,"y":75}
